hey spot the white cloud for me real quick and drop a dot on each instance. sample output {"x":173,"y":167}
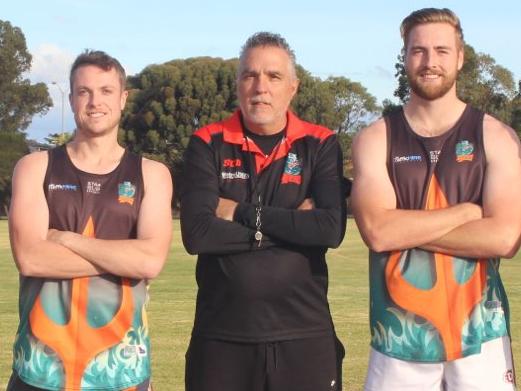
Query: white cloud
{"x":383,"y":73}
{"x":51,"y":63}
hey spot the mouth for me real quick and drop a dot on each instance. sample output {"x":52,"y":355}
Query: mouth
{"x":430,"y":76}
{"x":95,"y":114}
{"x":255,"y":102}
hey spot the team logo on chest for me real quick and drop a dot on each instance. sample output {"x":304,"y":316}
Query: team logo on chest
{"x":464,"y":151}
{"x":292,"y":170}
{"x":126,"y":193}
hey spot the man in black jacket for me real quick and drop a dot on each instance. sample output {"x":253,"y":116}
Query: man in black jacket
{"x":261,"y":204}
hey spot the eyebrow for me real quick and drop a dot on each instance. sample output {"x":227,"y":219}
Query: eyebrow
{"x":420,"y":47}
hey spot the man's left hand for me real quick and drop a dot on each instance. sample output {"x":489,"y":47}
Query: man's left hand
{"x":225,"y":209}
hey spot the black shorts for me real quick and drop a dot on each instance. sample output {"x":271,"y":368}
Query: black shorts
{"x":16,"y":384}
{"x":311,"y":364}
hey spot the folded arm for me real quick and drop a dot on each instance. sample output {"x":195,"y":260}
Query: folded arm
{"x":497,"y":234}
{"x":34,"y":254}
{"x":321,"y":225}
{"x":203,"y":232}
{"x":382,"y":226}
{"x":140,"y":258}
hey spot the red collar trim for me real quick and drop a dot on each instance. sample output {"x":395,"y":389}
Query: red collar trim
{"x":233,"y":130}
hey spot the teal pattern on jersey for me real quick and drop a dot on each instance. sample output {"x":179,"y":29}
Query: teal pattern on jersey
{"x":405,"y":335}
{"x":121,"y":366}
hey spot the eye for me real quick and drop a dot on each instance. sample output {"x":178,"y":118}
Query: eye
{"x":107,"y":91}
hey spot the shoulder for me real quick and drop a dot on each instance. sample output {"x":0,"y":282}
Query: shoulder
{"x":32,"y":163}
{"x":207,"y":132}
{"x":373,"y":134}
{"x":497,"y":134}
{"x":231,"y":124}
{"x":298,"y":125}
{"x":153,"y":168}
{"x":494,"y":126}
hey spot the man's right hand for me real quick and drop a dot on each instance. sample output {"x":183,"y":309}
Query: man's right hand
{"x":307,"y":204}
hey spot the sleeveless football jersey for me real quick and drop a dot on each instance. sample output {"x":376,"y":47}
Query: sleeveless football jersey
{"x":428,"y":306}
{"x":89,"y":333}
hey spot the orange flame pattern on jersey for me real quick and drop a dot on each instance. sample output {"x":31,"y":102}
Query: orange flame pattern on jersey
{"x":76,"y":342}
{"x":448,"y":304}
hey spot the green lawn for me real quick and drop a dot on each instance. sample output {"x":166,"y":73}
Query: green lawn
{"x":173,"y":297}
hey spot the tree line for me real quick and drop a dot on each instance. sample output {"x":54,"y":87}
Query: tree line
{"x":168,"y":101}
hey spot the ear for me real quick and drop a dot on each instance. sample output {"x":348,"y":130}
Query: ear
{"x":123,"y":99}
{"x":461,"y":57}
{"x":294,"y":86}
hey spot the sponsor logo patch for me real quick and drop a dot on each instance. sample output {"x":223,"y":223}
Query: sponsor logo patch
{"x":93,"y":187}
{"x":434,"y":156}
{"x":231,"y":163}
{"x":62,"y":187}
{"x":407,"y":159}
{"x":464,"y":151}
{"x":235,"y":175}
{"x":134,"y":350}
{"x":126,"y":193}
{"x":509,"y":377}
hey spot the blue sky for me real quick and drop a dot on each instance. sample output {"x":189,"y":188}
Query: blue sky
{"x":356,"y":39}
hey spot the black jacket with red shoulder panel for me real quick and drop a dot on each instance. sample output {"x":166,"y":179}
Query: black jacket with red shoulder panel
{"x":277,"y":290}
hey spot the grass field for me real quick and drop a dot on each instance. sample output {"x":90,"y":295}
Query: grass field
{"x":172,"y":308}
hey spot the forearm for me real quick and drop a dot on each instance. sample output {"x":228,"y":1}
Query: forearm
{"x":316,"y":227}
{"x":399,"y":229}
{"x":133,"y":258}
{"x":207,"y":234}
{"x":46,"y":259}
{"x":483,"y":238}
{"x":324,"y":224}
{"x":202,"y":231}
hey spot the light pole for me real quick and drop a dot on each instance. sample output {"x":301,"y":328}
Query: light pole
{"x":63,"y":99}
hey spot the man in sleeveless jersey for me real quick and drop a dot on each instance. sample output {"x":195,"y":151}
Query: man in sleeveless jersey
{"x":90,"y":224}
{"x":262,"y":202}
{"x":437,"y":198}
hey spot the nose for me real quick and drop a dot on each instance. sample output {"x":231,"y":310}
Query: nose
{"x":94,"y":98}
{"x":430,"y":58}
{"x":261,"y":84}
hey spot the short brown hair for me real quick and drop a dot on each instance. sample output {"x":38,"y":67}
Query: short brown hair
{"x":431,"y":15}
{"x":101,"y":60}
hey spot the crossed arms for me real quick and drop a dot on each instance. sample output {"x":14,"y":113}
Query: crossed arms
{"x":210,"y":224}
{"x":40,"y":252}
{"x":465,"y":229}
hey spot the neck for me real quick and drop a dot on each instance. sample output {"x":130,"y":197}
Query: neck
{"x":433,"y":117}
{"x":265,"y":129}
{"x":95,"y":155}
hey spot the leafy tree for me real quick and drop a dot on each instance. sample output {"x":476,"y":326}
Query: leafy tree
{"x":354,"y":106}
{"x":515,"y":121}
{"x":19,"y":99}
{"x":337,"y":103}
{"x":388,"y":106}
{"x":19,"y":102}
{"x":12,"y":147}
{"x":57,"y":139}
{"x":168,"y":102}
{"x":486,"y":85}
